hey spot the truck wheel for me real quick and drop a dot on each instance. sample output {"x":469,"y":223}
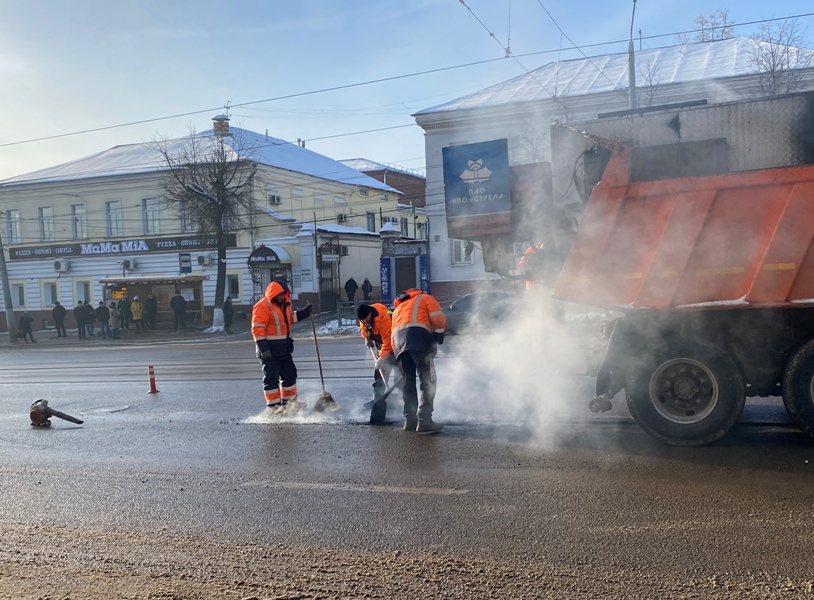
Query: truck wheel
{"x":686,"y":394}
{"x":798,"y":387}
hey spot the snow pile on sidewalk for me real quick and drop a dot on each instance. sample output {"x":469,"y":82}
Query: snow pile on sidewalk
{"x":334,"y":328}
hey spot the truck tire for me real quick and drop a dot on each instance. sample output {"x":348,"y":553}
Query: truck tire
{"x":798,"y":387}
{"x":686,"y":394}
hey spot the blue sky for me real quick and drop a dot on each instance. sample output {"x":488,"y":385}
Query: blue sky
{"x":87,"y":64}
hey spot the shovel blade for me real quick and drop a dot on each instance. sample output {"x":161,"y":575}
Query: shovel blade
{"x":378,"y":412}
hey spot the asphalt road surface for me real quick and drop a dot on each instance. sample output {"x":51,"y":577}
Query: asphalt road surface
{"x":195,"y":493}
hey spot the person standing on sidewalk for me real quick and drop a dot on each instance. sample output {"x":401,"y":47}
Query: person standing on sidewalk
{"x":228,"y":313}
{"x":350,"y":288}
{"x":125,"y":316}
{"x":114,"y":321}
{"x":137,"y":310}
{"x":419,"y":324}
{"x":103,"y":316}
{"x":79,"y":315}
{"x":58,"y":314}
{"x":90,"y":318}
{"x":25,"y":327}
{"x":367,"y":289}
{"x":150,"y":311}
{"x":178,"y":304}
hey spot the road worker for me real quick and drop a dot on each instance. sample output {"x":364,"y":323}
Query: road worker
{"x":375,"y":325}
{"x":418,"y":327}
{"x":272,"y":318}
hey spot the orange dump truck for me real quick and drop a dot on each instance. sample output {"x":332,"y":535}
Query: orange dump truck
{"x":715,"y":277}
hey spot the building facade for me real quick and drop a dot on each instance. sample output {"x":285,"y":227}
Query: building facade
{"x":522,"y":111}
{"x":97,"y":228}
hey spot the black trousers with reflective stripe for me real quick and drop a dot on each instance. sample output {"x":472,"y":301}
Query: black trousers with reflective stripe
{"x":419,"y":364}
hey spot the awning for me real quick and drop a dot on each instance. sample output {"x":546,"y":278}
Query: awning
{"x":268,"y":256}
{"x":155,"y":280}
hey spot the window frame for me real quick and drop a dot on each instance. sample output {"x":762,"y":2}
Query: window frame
{"x":115,"y":227}
{"x":76,"y":284}
{"x":54,"y":283}
{"x":79,"y":232}
{"x":46,"y":223}
{"x":13,"y":235}
{"x":21,"y":285}
{"x":457,"y":246}
{"x":151,"y":216}
{"x":238,"y":277}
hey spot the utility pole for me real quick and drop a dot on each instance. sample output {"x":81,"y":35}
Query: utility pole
{"x":12,"y":330}
{"x":631,"y":63}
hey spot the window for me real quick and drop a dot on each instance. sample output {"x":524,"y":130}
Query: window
{"x":457,"y":253}
{"x":79,"y":223}
{"x":185,"y":217}
{"x":422,"y":230}
{"x":113,"y":212}
{"x":18,"y":295}
{"x":319,"y":199}
{"x":46,"y":221}
{"x":13,"y":226}
{"x":233,"y":287}
{"x":371,"y":221}
{"x":149,"y":209}
{"x":394,"y":220}
{"x":296,"y":195}
{"x":339,"y":200}
{"x":81,"y":291}
{"x":404,"y":227}
{"x":49,"y":293}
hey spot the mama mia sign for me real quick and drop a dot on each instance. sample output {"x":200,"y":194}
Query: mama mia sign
{"x":476,"y":189}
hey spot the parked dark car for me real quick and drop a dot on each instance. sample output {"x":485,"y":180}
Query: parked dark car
{"x":479,"y":311}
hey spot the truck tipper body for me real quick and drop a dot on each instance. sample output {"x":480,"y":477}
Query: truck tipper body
{"x":715,"y":278}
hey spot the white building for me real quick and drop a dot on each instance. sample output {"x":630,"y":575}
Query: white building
{"x":522,"y":110}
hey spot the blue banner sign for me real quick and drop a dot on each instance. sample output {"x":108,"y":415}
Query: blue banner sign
{"x":386,"y":277}
{"x":477,"y":189}
{"x":424,"y":273}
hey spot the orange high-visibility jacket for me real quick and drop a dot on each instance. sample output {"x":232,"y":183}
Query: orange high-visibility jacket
{"x":532,"y":264}
{"x":416,"y":317}
{"x":381,"y":330}
{"x":271,"y":323}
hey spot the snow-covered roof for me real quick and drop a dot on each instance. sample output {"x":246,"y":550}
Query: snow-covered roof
{"x":597,"y":74}
{"x":336,"y":229}
{"x":364,"y":164}
{"x":143,"y":158}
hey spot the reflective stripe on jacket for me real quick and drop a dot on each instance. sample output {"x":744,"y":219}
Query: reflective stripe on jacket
{"x":416,"y":317}
{"x":382,"y":330}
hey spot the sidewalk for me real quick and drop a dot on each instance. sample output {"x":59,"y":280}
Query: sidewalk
{"x":241,"y":329}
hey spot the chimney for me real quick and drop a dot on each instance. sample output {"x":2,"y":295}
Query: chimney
{"x":220,"y":124}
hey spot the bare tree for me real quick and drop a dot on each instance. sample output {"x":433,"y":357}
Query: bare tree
{"x":710,"y":27}
{"x":209,"y":184}
{"x":779,"y":56}
{"x":649,"y":89}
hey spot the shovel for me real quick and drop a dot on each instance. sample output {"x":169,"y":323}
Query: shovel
{"x":325,"y":400}
{"x":379,"y":409}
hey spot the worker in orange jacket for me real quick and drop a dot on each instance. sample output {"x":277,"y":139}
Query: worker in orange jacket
{"x":532,"y":264}
{"x":375,"y":326}
{"x":272,"y":318}
{"x":419,"y":324}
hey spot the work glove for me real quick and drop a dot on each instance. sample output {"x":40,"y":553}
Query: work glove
{"x":438,"y":337}
{"x":265,"y":355}
{"x":305,"y":312}
{"x":370,"y":343}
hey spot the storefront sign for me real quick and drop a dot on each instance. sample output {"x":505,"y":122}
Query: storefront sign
{"x":184,"y":262}
{"x":476,"y":189}
{"x":115,"y":247}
